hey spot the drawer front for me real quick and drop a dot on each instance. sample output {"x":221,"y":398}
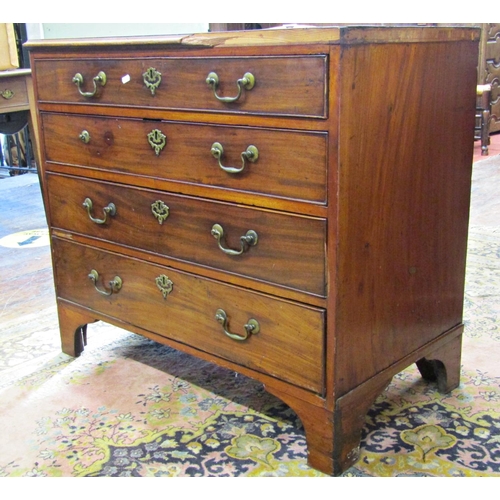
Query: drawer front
{"x":13,"y":93}
{"x":286,"y":249}
{"x":281,"y":163}
{"x":183,"y":307}
{"x":183,"y":84}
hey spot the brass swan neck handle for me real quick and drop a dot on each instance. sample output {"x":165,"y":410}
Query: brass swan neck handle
{"x":247,"y":82}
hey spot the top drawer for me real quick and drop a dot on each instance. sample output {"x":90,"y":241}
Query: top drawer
{"x":285,"y":85}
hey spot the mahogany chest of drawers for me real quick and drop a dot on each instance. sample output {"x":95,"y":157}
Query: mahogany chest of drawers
{"x":291,"y":204}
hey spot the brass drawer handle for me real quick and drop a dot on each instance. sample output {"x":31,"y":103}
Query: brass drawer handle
{"x":152,"y":79}
{"x":114,"y":285}
{"x":84,"y":136}
{"x":7,"y":94}
{"x":247,"y":82}
{"x":247,"y":240}
{"x":109,"y":210}
{"x":252,"y":327}
{"x":251,"y":154}
{"x":99,"y":79}
{"x":157,"y":140}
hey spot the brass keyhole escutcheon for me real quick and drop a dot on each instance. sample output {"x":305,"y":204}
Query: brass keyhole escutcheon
{"x":152,"y":79}
{"x":164,"y":284}
{"x":157,"y":140}
{"x":160,"y":211}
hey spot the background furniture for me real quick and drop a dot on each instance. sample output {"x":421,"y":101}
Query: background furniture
{"x":16,"y":121}
{"x":489,"y":69}
{"x":219,"y":193}
{"x":483,"y":113}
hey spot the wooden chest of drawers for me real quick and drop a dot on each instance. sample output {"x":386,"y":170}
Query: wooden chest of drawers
{"x":291,"y":204}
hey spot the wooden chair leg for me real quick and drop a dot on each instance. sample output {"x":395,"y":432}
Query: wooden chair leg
{"x":485,"y":133}
{"x":483,"y":111}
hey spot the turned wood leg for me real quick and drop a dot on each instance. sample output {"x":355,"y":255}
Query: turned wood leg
{"x":73,"y":328}
{"x":443,"y":365}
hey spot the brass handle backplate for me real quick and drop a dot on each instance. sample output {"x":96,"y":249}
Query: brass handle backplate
{"x":251,"y":327}
{"x":100,"y":79}
{"x":114,"y":285}
{"x":251,"y":154}
{"x":247,"y":82}
{"x":248,"y":240}
{"x":109,"y":210}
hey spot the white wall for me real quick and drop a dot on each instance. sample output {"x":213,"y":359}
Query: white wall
{"x":85,"y":30}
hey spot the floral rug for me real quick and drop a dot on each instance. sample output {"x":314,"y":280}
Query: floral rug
{"x":131,"y":407}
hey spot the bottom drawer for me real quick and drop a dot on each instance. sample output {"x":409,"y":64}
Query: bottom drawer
{"x":283,"y":339}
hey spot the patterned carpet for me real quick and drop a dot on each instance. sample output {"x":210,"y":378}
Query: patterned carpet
{"x":131,"y":407}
